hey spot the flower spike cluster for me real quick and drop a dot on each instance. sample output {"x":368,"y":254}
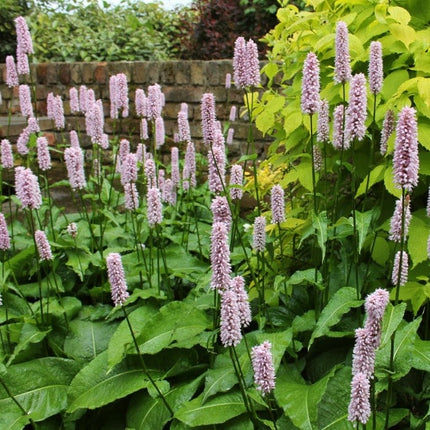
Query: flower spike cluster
{"x":311,"y":85}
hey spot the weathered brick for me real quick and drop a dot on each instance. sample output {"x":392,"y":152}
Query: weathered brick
{"x":76,"y":73}
{"x":51,"y":74}
{"x":88,"y":73}
{"x":64,"y":73}
{"x":100,"y":73}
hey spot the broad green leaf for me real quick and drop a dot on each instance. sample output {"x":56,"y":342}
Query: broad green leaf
{"x":404,"y":33}
{"x":420,"y":356}
{"x":94,"y":386}
{"x":304,"y":171}
{"x":39,"y":385}
{"x":264,"y":121}
{"x":306,"y":276}
{"x":419,"y":228}
{"x":363,"y":220}
{"x":180,"y":263}
{"x":144,"y":412}
{"x":416,"y":293}
{"x":401,"y":15}
{"x":392,"y":317}
{"x":122,"y":341}
{"x":320,"y":223}
{"x":300,"y":401}
{"x":375,"y":176}
{"x":333,"y":407}
{"x":392,"y":82}
{"x":424,"y":90}
{"x":217,"y":410}
{"x":165,"y":329}
{"x":341,"y":302}
{"x":389,"y":183}
{"x":86,"y":339}
{"x":381,"y":251}
{"x":424,"y":133}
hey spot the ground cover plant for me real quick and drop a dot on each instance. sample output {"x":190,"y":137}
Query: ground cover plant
{"x":158,"y":303}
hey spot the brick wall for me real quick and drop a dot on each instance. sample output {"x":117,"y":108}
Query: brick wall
{"x":181,"y":81}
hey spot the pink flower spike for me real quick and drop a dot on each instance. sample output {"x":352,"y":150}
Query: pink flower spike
{"x":6,"y":154}
{"x":359,"y":406}
{"x":25,"y":101}
{"x":129,"y":169}
{"x":169,"y":192}
{"x":230,"y":135}
{"x":363,"y":355}
{"x":43,"y":156}
{"x":131,"y":196}
{"x":220,"y":257}
{"x":27,"y":188}
{"x":259,"y":236}
{"x":175,"y":174}
{"x":230,"y":319}
{"x":216,"y":164}
{"x":11,"y":73}
{"x":74,"y":100}
{"x":154,"y":209}
{"x":22,"y":64}
{"x":405,"y":160}
{"x":140,"y":102}
{"x":239,"y":63}
{"x":160,"y":134}
{"x":150,"y":173}
{"x":208,"y":118}
{"x":376,"y":75}
{"x":83,"y":98}
{"x":144,"y":129}
{"x":339,"y":142}
{"x":116,"y":277}
{"x":228,"y":80}
{"x":244,"y":309}
{"x":388,"y":127}
{"x":155,"y":101}
{"x":22,"y":142}
{"x":318,"y":159}
{"x":72,"y":230}
{"x":74,"y":158}
{"x":356,"y":112}
{"x":252,"y":64}
{"x":58,"y":113}
{"x":4,"y":234}
{"x":262,"y":364}
{"x":232,"y":116}
{"x":183,"y":127}
{"x":342,"y":67}
{"x":277,"y":204}
{"x":376,"y":303}
{"x":43,"y":247}
{"x":221,"y":211}
{"x":189,"y":171}
{"x":236,"y":178}
{"x":400,"y":269}
{"x":396,"y":220}
{"x":23,"y":36}
{"x":323,"y":122}
{"x":74,"y":139}
{"x":311,"y":85}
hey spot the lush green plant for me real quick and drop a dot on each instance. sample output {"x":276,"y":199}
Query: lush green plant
{"x":87,"y":31}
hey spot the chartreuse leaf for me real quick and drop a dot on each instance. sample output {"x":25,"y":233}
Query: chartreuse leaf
{"x":333,"y":407}
{"x":121,"y":341}
{"x":416,"y":293}
{"x":341,"y":302}
{"x":40,"y":386}
{"x":299,"y":400}
{"x":145,"y":412}
{"x":418,"y":234}
{"x":392,"y":317}
{"x":217,"y":410}
{"x":389,"y":182}
{"x":94,"y":386}
{"x":175,"y":322}
{"x":375,"y":176}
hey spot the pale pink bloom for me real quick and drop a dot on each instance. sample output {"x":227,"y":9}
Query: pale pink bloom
{"x":43,"y":246}
{"x":74,"y":139}
{"x":184,"y":108}
{"x":220,"y":257}
{"x":160,"y":134}
{"x":356,"y":112}
{"x":175,"y":174}
{"x":27,"y":188}
{"x":6,"y":154}
{"x":236,"y":178}
{"x":363,"y":355}
{"x":83,"y":98}
{"x":216,"y":164}
{"x":72,"y":230}
{"x":342,"y":67}
{"x":50,"y":101}
{"x":252,"y":64}
{"x":405,"y":160}
{"x":396,"y":220}
{"x":317,"y":156}
{"x":339,"y":141}
{"x":150,"y":173}
{"x":232,"y":116}
{"x":23,"y":36}
{"x":104,"y":143}
{"x":189,"y":171}
{"x":114,"y":96}
{"x":11,"y":73}
{"x":388,"y":127}
{"x":140,"y":151}
{"x":144,"y":129}
{"x":140,"y":102}
{"x":244,"y":309}
{"x":74,"y":158}
{"x":74,"y":100}
{"x":228,"y":80}
{"x":277,"y":204}
{"x":160,"y":182}
{"x":230,"y":135}
{"x":323,"y":129}
{"x":221,"y":210}
{"x":58,"y":112}
{"x":124,"y":149}
{"x":240,"y":63}
{"x":262,"y":364}
{"x":22,"y":142}
{"x":230,"y":319}
{"x":25,"y":101}
{"x":43,"y":156}
{"x":310,"y":85}
{"x":154,"y":209}
{"x":129,"y":169}
{"x":400,"y":269}
{"x":184,"y":133}
{"x":375,"y":67}
{"x":33,"y":125}
{"x":376,"y":303}
{"x":259,"y":236}
{"x":359,"y":406}
{"x":208,"y":118}
{"x":169,"y":192}
{"x":131,"y":196}
{"x":155,"y":101}
{"x":122,"y":102}
{"x":4,"y":234}
{"x":116,"y":277}
{"x":94,"y":119}
{"x":22,"y":64}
